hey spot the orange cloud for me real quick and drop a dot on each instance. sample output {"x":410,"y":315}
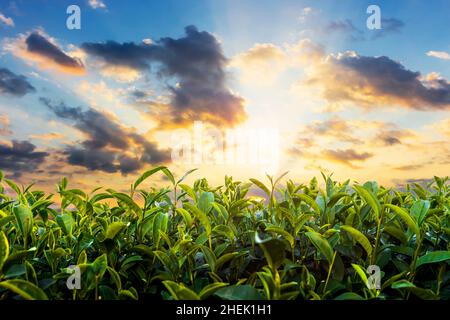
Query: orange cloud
{"x":347,"y":156}
{"x":376,"y":81}
{"x":4,"y":125}
{"x":47,"y":136}
{"x":39,"y":49}
{"x":261,"y":64}
{"x":443,"y":127}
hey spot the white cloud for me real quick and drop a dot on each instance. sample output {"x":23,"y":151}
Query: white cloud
{"x":439,"y":54}
{"x":307,"y":13}
{"x":6,"y":20}
{"x":97,"y":4}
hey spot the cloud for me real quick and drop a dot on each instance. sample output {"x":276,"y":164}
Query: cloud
{"x":195,"y":62}
{"x":442,"y":127}
{"x":13,"y":84}
{"x":349,"y":141}
{"x":422,"y":182}
{"x":48,"y":136}
{"x":392,"y":137}
{"x":409,"y":167}
{"x":335,"y":127}
{"x":439,"y":54}
{"x":307,"y":13}
{"x":4,"y":125}
{"x":109,"y":146}
{"x":40,"y":45}
{"x":261,"y":64}
{"x":355,"y":133}
{"x":346,"y":156}
{"x":43,"y":50}
{"x":6,"y":20}
{"x":347,"y":28}
{"x":388,"y":26}
{"x":97,"y":4}
{"x":264,"y":63}
{"x":20,"y":157}
{"x":344,"y":27}
{"x":377,"y":81}
{"x":128,"y":54}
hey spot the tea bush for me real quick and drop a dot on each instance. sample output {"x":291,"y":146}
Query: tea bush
{"x":203,"y":242}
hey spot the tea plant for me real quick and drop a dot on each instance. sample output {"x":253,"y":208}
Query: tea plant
{"x":204,"y":242}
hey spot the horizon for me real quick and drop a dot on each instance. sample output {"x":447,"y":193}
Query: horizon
{"x":298,"y":86}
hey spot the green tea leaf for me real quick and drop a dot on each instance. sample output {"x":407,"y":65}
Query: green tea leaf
{"x":128,"y":294}
{"x":180,"y":292}
{"x":115,"y":277}
{"x":190,"y":192}
{"x":99,"y":265}
{"x":122,"y":197}
{"x":370,"y":199}
{"x":205,"y":201}
{"x":225,"y":258}
{"x":147,"y":174}
{"x":404,"y":215}
{"x":361,"y":238}
{"x":211,"y":289}
{"x":4,"y":249}
{"x":361,"y":273}
{"x":349,"y":296}
{"x":114,"y":229}
{"x":24,"y":218}
{"x":243,"y":292}
{"x":433,"y":257}
{"x":201,"y":216}
{"x":310,"y":201}
{"x":419,"y":210}
{"x":282,"y":232}
{"x":65,"y":221}
{"x":321,"y":244}
{"x":25,"y":289}
{"x":274,"y":251}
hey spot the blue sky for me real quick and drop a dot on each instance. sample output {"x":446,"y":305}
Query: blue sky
{"x":303,"y":67}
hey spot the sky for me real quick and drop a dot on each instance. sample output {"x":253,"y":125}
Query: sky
{"x":237,"y":88}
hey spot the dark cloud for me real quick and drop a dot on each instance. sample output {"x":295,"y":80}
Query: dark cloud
{"x":390,"y":78}
{"x":41,"y":46}
{"x":20,"y":157}
{"x":382,"y":81}
{"x":346,"y":156}
{"x":420,"y":181}
{"x":388,"y":26}
{"x":345,"y":27}
{"x":195,"y":61}
{"x":128,"y":54}
{"x":129,"y":164}
{"x":92,"y":159}
{"x":101,"y":130}
{"x":409,"y":167}
{"x":400,"y":184}
{"x":139,"y":94}
{"x":107,"y":142}
{"x":391,"y":137}
{"x":13,"y":84}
